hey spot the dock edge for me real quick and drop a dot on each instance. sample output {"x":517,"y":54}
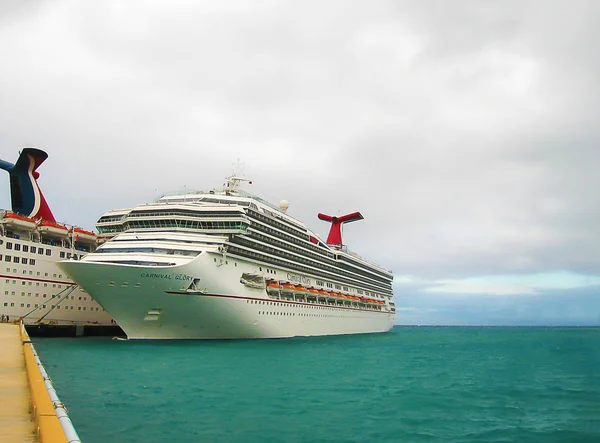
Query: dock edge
{"x":52,"y":422}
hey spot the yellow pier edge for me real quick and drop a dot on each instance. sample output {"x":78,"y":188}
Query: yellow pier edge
{"x":48,"y":426}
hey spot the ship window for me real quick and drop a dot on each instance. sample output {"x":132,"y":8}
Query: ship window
{"x":25,"y":248}
{"x":32,"y":261}
{"x":33,"y":249}
{"x":48,"y":252}
{"x":62,"y":254}
{"x":7,"y":258}
{"x":41,"y":251}
{"x":8,"y":245}
{"x":17,"y":247}
{"x":24,"y":260}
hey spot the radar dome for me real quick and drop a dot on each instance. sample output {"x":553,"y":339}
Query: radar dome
{"x":284,"y":205}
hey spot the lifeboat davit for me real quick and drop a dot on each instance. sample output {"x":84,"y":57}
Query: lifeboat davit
{"x":81,"y":235}
{"x":13,"y":220}
{"x":53,"y":229}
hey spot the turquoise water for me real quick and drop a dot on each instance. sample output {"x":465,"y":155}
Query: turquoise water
{"x":415,"y":384}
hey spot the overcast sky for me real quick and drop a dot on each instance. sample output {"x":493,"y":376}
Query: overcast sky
{"x":466,"y":132}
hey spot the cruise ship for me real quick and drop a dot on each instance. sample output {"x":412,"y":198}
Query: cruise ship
{"x":32,"y":286}
{"x":226,"y":264}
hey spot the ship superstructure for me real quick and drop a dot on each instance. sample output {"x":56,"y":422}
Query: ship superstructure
{"x":227,"y":264}
{"x":32,"y":286}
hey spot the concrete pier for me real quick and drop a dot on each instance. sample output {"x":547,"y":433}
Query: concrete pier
{"x":16,"y":421}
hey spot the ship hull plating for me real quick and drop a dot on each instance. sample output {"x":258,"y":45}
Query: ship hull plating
{"x":204,"y":299}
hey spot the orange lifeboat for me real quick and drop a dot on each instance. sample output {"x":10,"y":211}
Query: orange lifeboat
{"x":14,"y":220}
{"x":272,"y":287}
{"x":53,"y":229}
{"x":300,"y":289}
{"x":82,"y":235}
{"x":287,"y":288}
{"x":323,"y":292}
{"x":313,"y":290}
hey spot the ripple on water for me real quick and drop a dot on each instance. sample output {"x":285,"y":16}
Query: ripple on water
{"x":412,"y":385}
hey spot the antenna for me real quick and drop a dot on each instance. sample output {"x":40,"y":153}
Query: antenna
{"x":232,"y":183}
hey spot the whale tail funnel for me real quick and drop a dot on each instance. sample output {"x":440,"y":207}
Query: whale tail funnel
{"x":26,"y":196}
{"x":335,"y":232}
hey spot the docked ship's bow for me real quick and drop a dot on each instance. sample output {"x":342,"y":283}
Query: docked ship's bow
{"x":160,"y":302}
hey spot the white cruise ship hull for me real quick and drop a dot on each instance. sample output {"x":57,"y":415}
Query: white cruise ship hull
{"x":153,"y":302}
{"x":33,"y":288}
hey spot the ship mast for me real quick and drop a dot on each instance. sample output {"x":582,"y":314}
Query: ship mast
{"x":232,"y":183}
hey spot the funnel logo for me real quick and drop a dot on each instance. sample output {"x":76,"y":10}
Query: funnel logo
{"x":26,"y":196}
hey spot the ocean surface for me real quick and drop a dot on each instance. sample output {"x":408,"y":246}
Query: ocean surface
{"x":414,"y":384}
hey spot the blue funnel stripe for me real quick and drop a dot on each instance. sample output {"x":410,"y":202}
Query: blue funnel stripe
{"x":26,"y":196}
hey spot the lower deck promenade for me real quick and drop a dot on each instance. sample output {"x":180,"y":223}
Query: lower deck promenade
{"x":16,"y":421}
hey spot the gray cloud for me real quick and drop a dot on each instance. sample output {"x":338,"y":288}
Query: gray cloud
{"x":464,"y":132}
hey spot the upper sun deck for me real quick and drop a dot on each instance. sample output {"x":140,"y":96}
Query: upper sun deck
{"x":231,"y":194}
{"x":229,"y":210}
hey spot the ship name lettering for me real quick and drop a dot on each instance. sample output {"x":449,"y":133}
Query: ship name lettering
{"x":182,"y":277}
{"x":298,"y":278}
{"x":153,"y":275}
